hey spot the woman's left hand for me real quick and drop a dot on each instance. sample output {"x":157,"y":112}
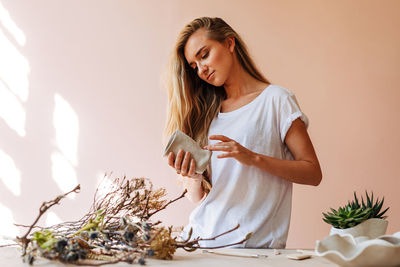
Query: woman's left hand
{"x":233,"y":149}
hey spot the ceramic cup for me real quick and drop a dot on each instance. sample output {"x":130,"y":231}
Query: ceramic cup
{"x":180,"y":140}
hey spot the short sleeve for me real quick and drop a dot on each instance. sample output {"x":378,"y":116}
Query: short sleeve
{"x":289,"y":112}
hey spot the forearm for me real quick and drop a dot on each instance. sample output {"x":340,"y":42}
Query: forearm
{"x":195,"y":191}
{"x":296,"y":171}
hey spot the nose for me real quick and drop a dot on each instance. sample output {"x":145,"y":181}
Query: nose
{"x":202,"y":70}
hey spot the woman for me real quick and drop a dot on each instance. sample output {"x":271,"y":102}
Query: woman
{"x":256,"y":131}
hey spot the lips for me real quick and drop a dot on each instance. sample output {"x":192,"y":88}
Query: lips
{"x":210,"y":76}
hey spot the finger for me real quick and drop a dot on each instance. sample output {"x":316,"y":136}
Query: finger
{"x":171,"y":159}
{"x":178,"y":161}
{"x":219,"y":143}
{"x":219,"y":137}
{"x":226,"y":155}
{"x":218,"y":147}
{"x":192,"y":169}
{"x":185,"y":164}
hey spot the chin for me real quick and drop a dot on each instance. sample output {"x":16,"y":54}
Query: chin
{"x":216,"y":83}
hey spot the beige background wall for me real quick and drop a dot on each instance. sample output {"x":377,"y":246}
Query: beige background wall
{"x":80,"y":95}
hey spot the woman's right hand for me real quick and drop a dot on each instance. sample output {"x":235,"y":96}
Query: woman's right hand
{"x":184,"y":164}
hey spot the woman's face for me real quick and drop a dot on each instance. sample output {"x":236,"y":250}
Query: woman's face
{"x":211,"y":59}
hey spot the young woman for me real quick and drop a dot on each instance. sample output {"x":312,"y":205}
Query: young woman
{"x":256,"y":130}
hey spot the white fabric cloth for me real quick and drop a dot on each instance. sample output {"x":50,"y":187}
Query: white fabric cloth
{"x":259,"y":201}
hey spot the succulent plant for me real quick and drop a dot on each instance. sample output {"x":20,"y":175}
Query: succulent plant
{"x":355,"y":213}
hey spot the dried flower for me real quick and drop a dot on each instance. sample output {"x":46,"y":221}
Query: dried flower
{"x":163,"y":245}
{"x":116,"y":229}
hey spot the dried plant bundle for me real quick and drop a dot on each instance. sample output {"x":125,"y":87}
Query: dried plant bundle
{"x":117,"y":228}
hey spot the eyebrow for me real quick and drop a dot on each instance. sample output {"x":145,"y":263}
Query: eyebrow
{"x":198,"y":52}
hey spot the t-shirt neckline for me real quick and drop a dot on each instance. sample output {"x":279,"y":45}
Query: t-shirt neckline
{"x":246,"y":106}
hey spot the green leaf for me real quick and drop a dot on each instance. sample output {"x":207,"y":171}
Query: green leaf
{"x":372,"y":198}
{"x":49,"y":243}
{"x":44,"y":238}
{"x":379,"y":207}
{"x":334,"y":211}
{"x":336,"y":217}
{"x":356,"y":199}
{"x":348,"y":220}
{"x":363,"y":204}
{"x":368,"y":199}
{"x":383,"y":212}
{"x":352,"y":212}
{"x":330,"y":214}
{"x":325,"y":215}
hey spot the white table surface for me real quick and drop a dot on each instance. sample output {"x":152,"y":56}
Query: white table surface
{"x":10,"y":257}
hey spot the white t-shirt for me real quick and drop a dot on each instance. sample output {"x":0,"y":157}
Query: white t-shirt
{"x":257,"y":200}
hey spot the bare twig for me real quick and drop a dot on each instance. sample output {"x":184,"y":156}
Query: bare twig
{"x":43,"y":208}
{"x":116,"y":229}
{"x":166,"y":205}
{"x":194,"y":244}
{"x":224,"y":233}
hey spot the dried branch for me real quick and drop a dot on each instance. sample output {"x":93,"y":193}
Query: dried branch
{"x":117,"y":228}
{"x":170,"y":202}
{"x":43,"y":208}
{"x":194,"y":244}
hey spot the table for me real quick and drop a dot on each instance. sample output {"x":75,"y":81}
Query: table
{"x":10,"y":257}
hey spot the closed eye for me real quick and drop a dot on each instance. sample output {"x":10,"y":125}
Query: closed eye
{"x":205,"y":55}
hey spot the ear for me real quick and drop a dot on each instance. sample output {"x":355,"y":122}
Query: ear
{"x":230,"y":42}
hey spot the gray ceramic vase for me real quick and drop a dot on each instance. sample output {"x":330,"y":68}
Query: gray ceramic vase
{"x":180,"y":140}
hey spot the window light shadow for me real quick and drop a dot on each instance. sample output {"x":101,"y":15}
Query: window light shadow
{"x":12,"y":111}
{"x":65,"y":159}
{"x":52,"y":219}
{"x":7,"y":228}
{"x":14,"y":68}
{"x":9,"y":174}
{"x":14,"y":92}
{"x":63,"y":173}
{"x":10,"y":25}
{"x":66,"y":126}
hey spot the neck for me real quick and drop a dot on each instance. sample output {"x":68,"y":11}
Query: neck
{"x":240,"y":82}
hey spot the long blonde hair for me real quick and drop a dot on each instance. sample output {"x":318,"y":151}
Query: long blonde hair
{"x":194,"y":103}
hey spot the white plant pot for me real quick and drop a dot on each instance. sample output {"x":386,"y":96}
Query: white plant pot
{"x":371,"y":228}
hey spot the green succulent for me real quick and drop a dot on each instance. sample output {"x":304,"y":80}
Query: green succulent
{"x":355,"y":213}
{"x":375,"y":207}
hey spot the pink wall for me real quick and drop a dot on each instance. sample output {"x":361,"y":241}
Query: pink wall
{"x":98,"y":64}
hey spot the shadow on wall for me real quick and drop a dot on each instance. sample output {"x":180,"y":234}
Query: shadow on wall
{"x":14,"y":98}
